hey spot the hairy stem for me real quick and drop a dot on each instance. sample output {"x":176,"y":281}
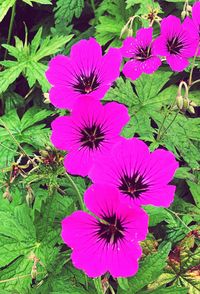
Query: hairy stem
{"x":10,"y":27}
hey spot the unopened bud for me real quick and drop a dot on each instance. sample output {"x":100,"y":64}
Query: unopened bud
{"x":183,"y":14}
{"x":30,"y":197}
{"x":7,"y":195}
{"x":130,"y":32}
{"x":193,"y":104}
{"x":44,"y":153}
{"x":34,"y":272}
{"x":179,"y":102}
{"x":46,"y":98}
{"x":124,"y":31}
{"x":185,"y":103}
{"x":189,"y":8}
{"x":191,"y":109}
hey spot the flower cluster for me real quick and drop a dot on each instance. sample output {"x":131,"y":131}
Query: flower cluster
{"x":125,"y":175}
{"x":177,"y":42}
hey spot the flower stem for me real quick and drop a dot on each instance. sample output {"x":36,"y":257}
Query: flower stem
{"x":195,"y":82}
{"x":93,"y":5}
{"x":80,"y":199}
{"x":193,"y":64}
{"x":10,"y":27}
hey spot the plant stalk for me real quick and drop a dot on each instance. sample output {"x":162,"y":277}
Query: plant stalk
{"x":93,"y":5}
{"x":10,"y":27}
{"x":80,"y":200}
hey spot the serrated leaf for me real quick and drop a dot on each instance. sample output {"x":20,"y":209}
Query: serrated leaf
{"x":150,"y":268}
{"x":195,"y":190}
{"x":157,"y":215}
{"x":5,"y":5}
{"x":28,"y":59}
{"x":23,"y":131}
{"x":8,"y":76}
{"x":67,"y":9}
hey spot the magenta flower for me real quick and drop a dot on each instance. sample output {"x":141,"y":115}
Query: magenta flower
{"x":176,"y":43}
{"x":108,"y":241}
{"x":141,"y":177}
{"x":85,"y":73}
{"x":141,"y":52}
{"x":193,"y":25}
{"x":92,"y":129}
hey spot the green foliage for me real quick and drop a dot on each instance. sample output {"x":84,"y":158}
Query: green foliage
{"x":15,"y":131}
{"x":28,"y":57}
{"x":149,"y":270}
{"x":65,"y":10}
{"x":112,"y":16}
{"x":5,"y":5}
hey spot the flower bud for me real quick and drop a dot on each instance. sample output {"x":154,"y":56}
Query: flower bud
{"x":183,"y":14}
{"x":7,"y":195}
{"x":193,"y":104}
{"x":189,"y":8}
{"x":124,"y":31}
{"x":44,"y":153}
{"x":185,"y":103}
{"x":30,"y":197}
{"x":46,"y":98}
{"x":179,"y":102}
{"x":130,"y":32}
{"x":191,"y":109}
{"x":34,"y":272}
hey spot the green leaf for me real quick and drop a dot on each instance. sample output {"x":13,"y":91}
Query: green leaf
{"x":28,"y":59}
{"x":37,"y":1}
{"x":67,"y":9}
{"x":13,"y":130}
{"x":195,"y":190}
{"x":11,"y":100}
{"x":182,"y":135}
{"x":145,"y":99}
{"x":157,"y":215}
{"x":20,"y":239}
{"x":123,"y":283}
{"x":9,"y":75}
{"x":5,"y":5}
{"x":150,"y":268}
{"x":167,"y":290}
{"x":112,"y":16}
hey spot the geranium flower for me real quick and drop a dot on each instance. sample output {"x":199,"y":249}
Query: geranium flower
{"x":141,"y":177}
{"x":108,"y":241}
{"x":141,"y":52}
{"x":175,"y":42}
{"x":193,"y":25}
{"x":92,"y":129}
{"x":85,"y":73}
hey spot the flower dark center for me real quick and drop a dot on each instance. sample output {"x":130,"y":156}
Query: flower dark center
{"x":143,"y":53}
{"x":111,"y":229}
{"x":132,"y":186}
{"x":92,"y":136}
{"x":86,"y":84}
{"x":174,"y":45}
